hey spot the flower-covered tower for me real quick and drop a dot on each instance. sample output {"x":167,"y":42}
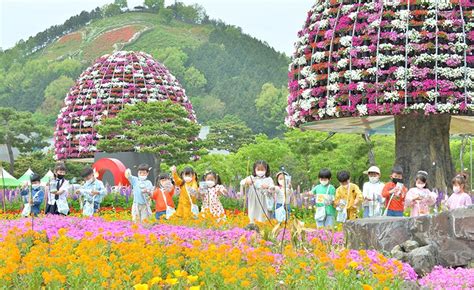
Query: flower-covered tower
{"x":103,"y":90}
{"x":413,"y":59}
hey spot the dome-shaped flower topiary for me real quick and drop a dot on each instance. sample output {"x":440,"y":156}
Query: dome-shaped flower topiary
{"x":103,"y":90}
{"x":383,"y":57}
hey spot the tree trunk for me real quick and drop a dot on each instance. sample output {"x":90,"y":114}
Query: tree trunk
{"x":422,"y":143}
{"x":10,"y":156}
{"x":156,"y":168}
{"x":371,"y":154}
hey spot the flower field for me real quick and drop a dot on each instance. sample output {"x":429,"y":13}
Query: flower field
{"x":111,"y":252}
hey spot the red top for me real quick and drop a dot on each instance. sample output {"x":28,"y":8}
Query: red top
{"x":398,"y":202}
{"x":158,"y":198}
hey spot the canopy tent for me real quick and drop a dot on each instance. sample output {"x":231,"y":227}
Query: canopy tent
{"x":6,"y":180}
{"x":47,"y":177}
{"x":26,"y":176}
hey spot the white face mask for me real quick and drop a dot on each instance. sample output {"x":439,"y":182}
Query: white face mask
{"x":260,"y":173}
{"x":210,"y":183}
{"x":373,"y":179}
{"x":188,"y":179}
{"x":456,"y":189}
{"x":281,"y":182}
{"x":142,"y":177}
{"x":324,"y":182}
{"x":35,"y":186}
{"x":420,"y":185}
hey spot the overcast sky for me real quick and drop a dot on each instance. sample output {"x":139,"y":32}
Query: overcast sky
{"x":273,"y":21}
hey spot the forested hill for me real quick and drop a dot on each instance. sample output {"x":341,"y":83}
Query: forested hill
{"x":222,"y":69}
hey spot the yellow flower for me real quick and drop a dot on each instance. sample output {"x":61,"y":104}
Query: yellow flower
{"x":192,"y":279}
{"x":141,"y":287}
{"x":194,"y":287}
{"x":155,"y":280}
{"x":171,"y":281}
{"x":367,"y":287}
{"x":353,"y":264}
{"x":179,"y":273}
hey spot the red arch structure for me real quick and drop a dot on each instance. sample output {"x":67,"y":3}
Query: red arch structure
{"x":113,"y":165}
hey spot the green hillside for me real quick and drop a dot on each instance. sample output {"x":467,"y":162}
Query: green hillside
{"x":222,"y":69}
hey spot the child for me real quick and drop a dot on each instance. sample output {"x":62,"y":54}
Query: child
{"x":93,"y":191}
{"x":141,"y":190}
{"x":325,"y":194}
{"x":37,"y":194}
{"x":348,"y":197}
{"x":459,"y":198}
{"x":211,"y":200}
{"x":283,"y":197}
{"x":420,"y":198}
{"x":259,"y":185}
{"x":163,"y":197}
{"x":58,"y":189}
{"x":188,"y":191}
{"x":394,"y":193}
{"x":372,"y":193}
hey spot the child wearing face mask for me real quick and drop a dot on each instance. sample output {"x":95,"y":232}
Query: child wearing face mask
{"x":420,"y":198}
{"x":93,"y":190}
{"x":58,"y":189}
{"x":163,"y":197}
{"x":260,"y":186}
{"x":37,"y":194}
{"x":188,"y":192}
{"x":394,"y":193}
{"x":348,"y":197}
{"x":210,"y":195}
{"x":283,"y":196}
{"x":142,"y":188}
{"x":459,"y":198}
{"x":325,"y":194}
{"x":372,"y":193}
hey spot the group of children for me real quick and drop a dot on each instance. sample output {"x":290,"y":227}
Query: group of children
{"x":265,"y":200}
{"x":377,"y":198}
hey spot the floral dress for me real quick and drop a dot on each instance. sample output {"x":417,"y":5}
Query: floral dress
{"x":211,"y":201}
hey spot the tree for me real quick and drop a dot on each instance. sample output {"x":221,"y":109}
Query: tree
{"x":173,"y":58}
{"x":166,"y":15}
{"x":208,"y":108}
{"x":121,"y":3}
{"x":155,"y":5}
{"x":271,"y":105}
{"x":229,"y":133}
{"x":161,"y":128}
{"x":111,"y":10}
{"x":54,"y":94}
{"x":194,"y":80}
{"x":17,"y":129}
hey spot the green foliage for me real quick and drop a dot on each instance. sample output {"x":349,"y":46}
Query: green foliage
{"x":121,"y":4}
{"x":54,"y":94}
{"x":219,"y":163}
{"x":111,"y":10}
{"x":208,"y":108}
{"x":154,"y":5}
{"x":161,"y":128}
{"x":271,"y":107}
{"x":194,"y":79}
{"x":17,"y":129}
{"x":166,"y":15}
{"x":229,"y":133}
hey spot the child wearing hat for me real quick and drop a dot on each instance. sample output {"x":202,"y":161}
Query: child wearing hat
{"x":372,"y":193}
{"x":37,"y":194}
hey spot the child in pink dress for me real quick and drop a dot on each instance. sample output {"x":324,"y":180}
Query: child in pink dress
{"x":210,"y":195}
{"x":420,"y":198}
{"x":459,"y":198}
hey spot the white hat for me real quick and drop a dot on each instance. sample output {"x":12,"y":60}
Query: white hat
{"x":373,"y":169}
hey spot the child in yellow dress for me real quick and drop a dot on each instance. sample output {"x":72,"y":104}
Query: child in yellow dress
{"x":348,"y":197}
{"x":188,"y":185}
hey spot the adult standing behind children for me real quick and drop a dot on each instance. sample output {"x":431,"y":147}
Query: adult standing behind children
{"x":142,"y":188}
{"x":372,"y":193}
{"x":394,"y":193}
{"x":58,"y":189}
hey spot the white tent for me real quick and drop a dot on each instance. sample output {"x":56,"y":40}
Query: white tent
{"x":47,"y":177}
{"x":26,"y":176}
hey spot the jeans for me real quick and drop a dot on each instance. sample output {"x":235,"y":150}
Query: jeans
{"x":159,"y":214}
{"x":327,"y":222}
{"x":366,"y":212}
{"x":394,"y":213}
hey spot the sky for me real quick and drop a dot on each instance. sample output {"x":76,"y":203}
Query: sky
{"x":273,"y":21}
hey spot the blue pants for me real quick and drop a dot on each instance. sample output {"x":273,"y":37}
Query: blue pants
{"x":327,"y":222}
{"x":159,"y":214}
{"x":394,"y":213}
